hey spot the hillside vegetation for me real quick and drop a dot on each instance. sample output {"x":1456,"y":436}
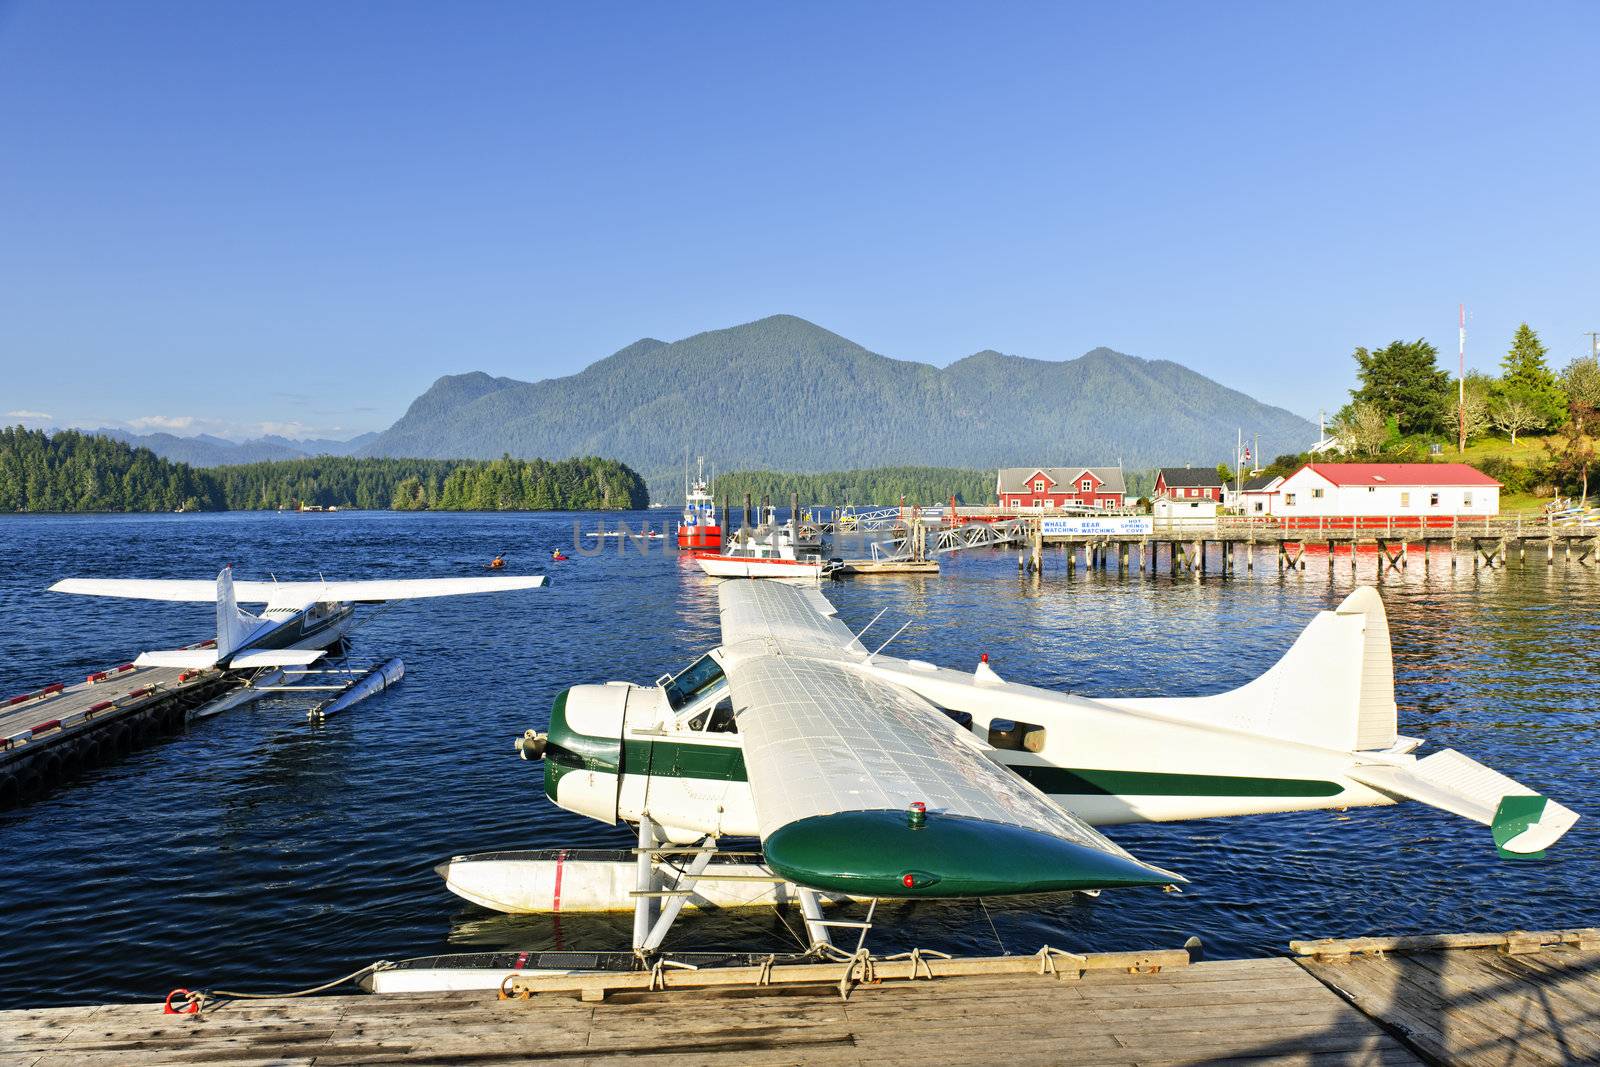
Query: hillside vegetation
{"x":786,"y":395}
{"x":879,"y":485}
{"x":70,"y":471}
{"x":1529,"y":426}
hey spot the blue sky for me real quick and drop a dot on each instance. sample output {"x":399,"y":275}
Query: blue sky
{"x":295,"y":216}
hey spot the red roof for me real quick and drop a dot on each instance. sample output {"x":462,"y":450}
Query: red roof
{"x":1401,"y":474}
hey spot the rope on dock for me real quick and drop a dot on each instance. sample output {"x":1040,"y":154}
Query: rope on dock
{"x":194,"y":1002}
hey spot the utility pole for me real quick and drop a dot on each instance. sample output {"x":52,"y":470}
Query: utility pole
{"x":1594,"y":342}
{"x":1461,"y":387}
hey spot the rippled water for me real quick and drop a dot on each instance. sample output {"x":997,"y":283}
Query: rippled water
{"x":256,"y":851}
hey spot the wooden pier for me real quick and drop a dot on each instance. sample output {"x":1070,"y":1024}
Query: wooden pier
{"x":1220,"y":546}
{"x":51,"y":733}
{"x":1502,"y":999}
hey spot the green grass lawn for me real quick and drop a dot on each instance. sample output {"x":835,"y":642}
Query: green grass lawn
{"x":1529,"y":449}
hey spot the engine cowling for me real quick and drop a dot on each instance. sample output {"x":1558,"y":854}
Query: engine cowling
{"x":583,"y":754}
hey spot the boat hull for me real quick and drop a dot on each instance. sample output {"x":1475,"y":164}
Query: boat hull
{"x":699,"y":537}
{"x":720,"y":566}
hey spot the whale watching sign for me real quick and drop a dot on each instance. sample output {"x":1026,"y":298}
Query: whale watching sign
{"x":1110,"y":525}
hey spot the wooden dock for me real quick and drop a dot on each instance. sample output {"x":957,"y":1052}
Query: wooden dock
{"x":50,"y":733}
{"x":1464,"y":999}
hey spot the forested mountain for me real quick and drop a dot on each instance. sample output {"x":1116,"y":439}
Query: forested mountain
{"x":784,"y":394}
{"x":205,"y":450}
{"x":882,"y":485}
{"x":71,"y":471}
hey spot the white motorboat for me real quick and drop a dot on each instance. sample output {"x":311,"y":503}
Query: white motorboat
{"x":767,"y":553}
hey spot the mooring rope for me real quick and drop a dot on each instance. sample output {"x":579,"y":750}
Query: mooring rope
{"x":196,"y":1001}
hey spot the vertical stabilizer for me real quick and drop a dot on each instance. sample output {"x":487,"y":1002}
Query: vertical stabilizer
{"x":1334,"y":688}
{"x":233,"y":625}
{"x":1377,"y":720}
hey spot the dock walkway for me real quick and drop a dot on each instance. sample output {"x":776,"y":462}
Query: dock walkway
{"x":1522,"y":1001}
{"x":47,"y":734}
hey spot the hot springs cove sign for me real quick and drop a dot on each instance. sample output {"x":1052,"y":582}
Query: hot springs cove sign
{"x":1110,"y":525}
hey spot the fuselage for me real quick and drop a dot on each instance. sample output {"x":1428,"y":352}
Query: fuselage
{"x":673,"y":750}
{"x":315,"y":626}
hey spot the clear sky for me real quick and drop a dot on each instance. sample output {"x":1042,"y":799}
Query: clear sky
{"x":294,"y":216}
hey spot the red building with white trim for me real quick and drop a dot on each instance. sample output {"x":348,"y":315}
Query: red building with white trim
{"x":1057,"y":487}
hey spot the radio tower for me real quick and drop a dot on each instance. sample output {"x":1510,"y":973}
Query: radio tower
{"x":1461,"y":386}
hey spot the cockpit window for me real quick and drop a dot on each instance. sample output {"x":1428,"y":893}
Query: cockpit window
{"x":716,"y":720}
{"x":696,"y":679}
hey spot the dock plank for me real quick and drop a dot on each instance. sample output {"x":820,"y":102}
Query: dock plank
{"x":1479,"y":1006}
{"x":1252,"y":1011}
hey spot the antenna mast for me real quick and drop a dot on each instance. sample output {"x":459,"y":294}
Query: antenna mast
{"x":1461,"y":386}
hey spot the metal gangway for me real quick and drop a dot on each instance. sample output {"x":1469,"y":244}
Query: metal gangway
{"x":912,"y":542}
{"x":852,"y":521}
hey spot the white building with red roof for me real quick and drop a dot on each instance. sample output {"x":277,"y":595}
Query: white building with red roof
{"x":1419,"y":491}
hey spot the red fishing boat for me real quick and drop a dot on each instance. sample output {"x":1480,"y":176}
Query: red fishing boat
{"x":699,"y":528}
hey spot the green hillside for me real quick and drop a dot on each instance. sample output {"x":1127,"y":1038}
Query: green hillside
{"x":69,"y":471}
{"x":784,"y":394}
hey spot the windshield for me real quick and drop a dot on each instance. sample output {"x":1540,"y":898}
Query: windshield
{"x":697,"y":678}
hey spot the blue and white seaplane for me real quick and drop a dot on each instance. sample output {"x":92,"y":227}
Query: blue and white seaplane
{"x":301,"y":623}
{"x":866,"y":777}
{"x":301,"y":619}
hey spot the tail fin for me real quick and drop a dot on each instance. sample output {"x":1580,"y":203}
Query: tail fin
{"x":233,"y":625}
{"x":1333,"y":688}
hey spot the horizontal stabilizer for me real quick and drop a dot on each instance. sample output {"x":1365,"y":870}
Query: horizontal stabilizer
{"x":1524,"y":823}
{"x":196,"y":658}
{"x":275,"y":657}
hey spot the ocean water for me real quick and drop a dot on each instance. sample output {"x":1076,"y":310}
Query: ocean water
{"x":255,"y":851}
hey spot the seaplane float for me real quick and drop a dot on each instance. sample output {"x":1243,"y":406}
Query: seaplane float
{"x":865,"y":777}
{"x":300,"y":624}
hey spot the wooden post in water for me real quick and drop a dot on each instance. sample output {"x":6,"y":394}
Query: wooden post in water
{"x":746,"y":512}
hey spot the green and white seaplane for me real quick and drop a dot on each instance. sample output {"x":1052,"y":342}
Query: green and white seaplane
{"x":864,"y":776}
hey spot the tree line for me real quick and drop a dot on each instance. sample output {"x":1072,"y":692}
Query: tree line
{"x":877,"y":485}
{"x":72,"y":471}
{"x":1405,"y":403}
{"x":1404,"y":396}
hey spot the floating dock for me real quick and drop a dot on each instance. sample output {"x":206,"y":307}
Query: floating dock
{"x":1502,"y":999}
{"x":851,"y":567}
{"x":51,"y":733}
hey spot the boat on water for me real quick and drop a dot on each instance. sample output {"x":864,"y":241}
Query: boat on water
{"x":698,"y":528}
{"x":769,"y":552}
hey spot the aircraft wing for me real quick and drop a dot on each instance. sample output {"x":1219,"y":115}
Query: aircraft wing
{"x":836,"y":759}
{"x":296,"y":594}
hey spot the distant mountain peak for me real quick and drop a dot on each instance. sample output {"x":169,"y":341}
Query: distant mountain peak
{"x":782,"y":392}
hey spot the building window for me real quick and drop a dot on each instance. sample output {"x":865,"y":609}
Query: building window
{"x":1372,"y":489}
{"x":1466,"y":499}
{"x":1316,"y":494}
{"x":1405,"y":499}
{"x":1258,"y":505}
{"x":1088,"y":485}
{"x":1288,"y":500}
{"x":1038,"y":486}
{"x":1433,"y":500}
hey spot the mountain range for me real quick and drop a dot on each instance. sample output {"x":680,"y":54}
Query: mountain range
{"x":206,"y":450}
{"x":783,"y":393}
